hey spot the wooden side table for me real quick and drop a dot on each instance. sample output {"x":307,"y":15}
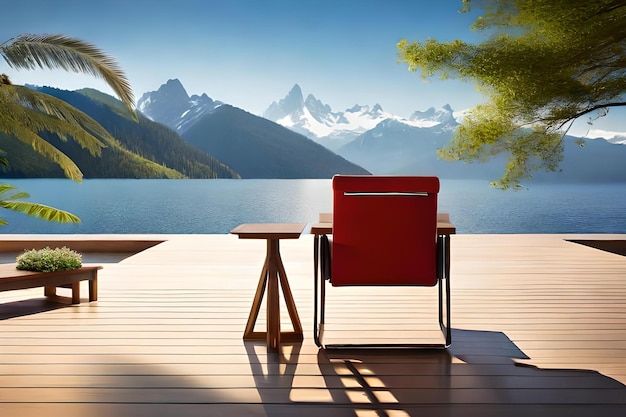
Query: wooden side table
{"x":272,"y":276}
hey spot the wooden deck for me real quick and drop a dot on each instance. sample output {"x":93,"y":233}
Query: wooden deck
{"x":539,"y":329}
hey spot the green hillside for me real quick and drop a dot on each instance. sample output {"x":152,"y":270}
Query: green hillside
{"x":259,"y":148}
{"x":143,"y":149}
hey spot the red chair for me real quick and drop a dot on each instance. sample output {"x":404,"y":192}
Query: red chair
{"x":384,"y":232}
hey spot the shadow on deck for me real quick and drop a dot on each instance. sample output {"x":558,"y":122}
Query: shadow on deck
{"x":535,"y":335}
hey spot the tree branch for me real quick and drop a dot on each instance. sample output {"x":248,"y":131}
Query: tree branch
{"x":589,"y":110}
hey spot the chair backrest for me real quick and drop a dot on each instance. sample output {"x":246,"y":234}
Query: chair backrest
{"x":384,"y":230}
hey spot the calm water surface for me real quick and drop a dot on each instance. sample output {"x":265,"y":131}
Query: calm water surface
{"x":216,"y":206}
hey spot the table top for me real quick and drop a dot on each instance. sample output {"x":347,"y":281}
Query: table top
{"x":325,"y":225}
{"x":269,"y":230}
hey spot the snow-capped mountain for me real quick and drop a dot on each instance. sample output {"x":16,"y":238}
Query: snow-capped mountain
{"x":444,"y":116}
{"x":380,"y":142}
{"x":172,"y":106}
{"x":251,"y":145}
{"x":312,"y":118}
{"x":613,"y":137}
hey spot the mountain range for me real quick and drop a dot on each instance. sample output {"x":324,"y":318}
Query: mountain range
{"x":384,"y":143}
{"x":173,"y":107}
{"x":220,"y":141}
{"x":182,"y":136}
{"x":312,"y":118}
{"x":613,"y":137}
{"x":140,"y":149}
{"x":253,"y":146}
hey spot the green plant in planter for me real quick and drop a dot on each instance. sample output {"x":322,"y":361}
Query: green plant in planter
{"x":49,"y":260}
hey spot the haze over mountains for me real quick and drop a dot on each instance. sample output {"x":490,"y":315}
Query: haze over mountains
{"x":317,"y":120}
{"x":253,"y":146}
{"x":220,"y":141}
{"x":184,"y":136}
{"x":384,"y":143}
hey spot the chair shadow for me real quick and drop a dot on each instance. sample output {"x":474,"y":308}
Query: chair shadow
{"x":477,"y":375}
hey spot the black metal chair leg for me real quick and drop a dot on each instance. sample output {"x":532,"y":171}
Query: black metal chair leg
{"x":316,"y":275}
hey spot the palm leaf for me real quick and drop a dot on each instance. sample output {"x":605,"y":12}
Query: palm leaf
{"x":41,"y":146}
{"x":18,"y":195}
{"x":59,"y":51}
{"x":16,"y":117}
{"x":26,"y":113}
{"x":40,"y":211}
{"x":4,"y":162}
{"x":25,"y":100}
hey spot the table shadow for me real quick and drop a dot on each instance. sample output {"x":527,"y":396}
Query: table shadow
{"x":28,"y":307}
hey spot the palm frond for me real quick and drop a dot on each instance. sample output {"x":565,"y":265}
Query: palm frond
{"x":30,"y":99}
{"x":26,"y":113}
{"x":39,"y":144}
{"x":31,"y":209}
{"x":6,"y":187}
{"x":17,"y":117}
{"x":40,"y":211}
{"x":29,"y":51}
{"x":4,"y":162}
{"x":17,"y":195}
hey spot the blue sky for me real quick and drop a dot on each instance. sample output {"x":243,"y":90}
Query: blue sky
{"x":249,"y":53}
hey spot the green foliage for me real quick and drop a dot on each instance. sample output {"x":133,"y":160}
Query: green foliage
{"x":545,"y":64}
{"x":49,"y":260}
{"x":28,"y":115}
{"x":142,"y":149}
{"x":151,"y":140}
{"x":57,"y":51}
{"x":12,"y":202}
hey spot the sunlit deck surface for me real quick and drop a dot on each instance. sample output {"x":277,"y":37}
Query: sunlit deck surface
{"x":539,"y":330}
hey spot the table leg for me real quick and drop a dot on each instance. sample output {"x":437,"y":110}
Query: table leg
{"x":76,"y":292}
{"x":256,"y":304}
{"x":93,"y":288}
{"x":49,"y":291}
{"x":291,"y":304}
{"x":273,"y":277}
{"x":273,"y":300}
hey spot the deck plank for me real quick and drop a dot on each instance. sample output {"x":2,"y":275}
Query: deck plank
{"x":539,"y":328}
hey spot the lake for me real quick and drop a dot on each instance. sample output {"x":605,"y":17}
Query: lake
{"x":126,"y":206}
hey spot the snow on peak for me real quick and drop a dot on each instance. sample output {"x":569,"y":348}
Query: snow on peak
{"x":442,"y":115}
{"x":613,"y":137}
{"x":292,"y":103}
{"x":317,"y":120}
{"x":172,"y":106}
